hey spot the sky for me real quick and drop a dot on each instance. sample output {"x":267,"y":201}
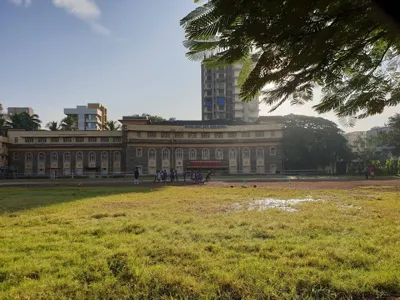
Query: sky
{"x":125,"y":54}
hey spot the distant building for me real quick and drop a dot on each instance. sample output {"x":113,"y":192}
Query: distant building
{"x":230,"y":147}
{"x":365,"y":140}
{"x":375,"y":132}
{"x":3,"y":151}
{"x":16,"y":110}
{"x":356,"y":140}
{"x":90,"y":117}
{"x":220,"y":95}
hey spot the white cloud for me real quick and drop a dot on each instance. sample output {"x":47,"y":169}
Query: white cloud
{"x":100,"y":29}
{"x":85,"y":10}
{"x":21,"y":2}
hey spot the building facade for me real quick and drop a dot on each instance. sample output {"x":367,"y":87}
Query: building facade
{"x":90,"y":117}
{"x":226,"y":147}
{"x":220,"y":95}
{"x":63,"y":153}
{"x":16,"y":110}
{"x":356,"y":140}
{"x":3,"y":151}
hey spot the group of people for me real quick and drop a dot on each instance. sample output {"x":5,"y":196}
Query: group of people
{"x":369,"y":172}
{"x":7,"y":172}
{"x":163,"y":176}
{"x":195,"y":176}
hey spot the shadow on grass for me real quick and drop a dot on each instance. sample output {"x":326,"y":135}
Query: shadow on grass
{"x":14,"y":199}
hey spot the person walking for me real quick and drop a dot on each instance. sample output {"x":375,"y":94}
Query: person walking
{"x":372,"y":172}
{"x":366,"y":172}
{"x":136,"y":174}
{"x":208,"y":176}
{"x":158,"y":176}
{"x":176,"y":175}
{"x":184,"y":176}
{"x":172,"y":175}
{"x":155,"y":177}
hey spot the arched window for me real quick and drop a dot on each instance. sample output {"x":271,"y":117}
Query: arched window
{"x":232,"y":153}
{"x":260,"y":153}
{"x":67,"y":157}
{"x":92,"y":157}
{"x":54,"y":157}
{"x":79,"y":157}
{"x":104,"y":157}
{"x":15,"y":156}
{"x":179,"y":153}
{"x":192,"y":154}
{"x":165,"y":154}
{"x":28,"y":158}
{"x":205,"y":154}
{"x":219,"y":154}
{"x":152,"y":154}
{"x":246,"y":153}
{"x":41,"y":157}
{"x":117,"y":157}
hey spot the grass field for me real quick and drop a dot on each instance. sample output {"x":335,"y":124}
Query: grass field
{"x":198,"y":243}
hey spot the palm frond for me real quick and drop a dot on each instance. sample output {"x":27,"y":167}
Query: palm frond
{"x":198,"y":12}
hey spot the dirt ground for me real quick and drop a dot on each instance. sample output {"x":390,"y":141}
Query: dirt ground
{"x":392,"y":184}
{"x":312,"y":185}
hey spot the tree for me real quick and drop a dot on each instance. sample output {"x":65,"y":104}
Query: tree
{"x":366,"y":149}
{"x":311,"y":142}
{"x":113,"y":126}
{"x":154,"y":118}
{"x":69,"y":123}
{"x":53,"y":126}
{"x":391,"y":166}
{"x":343,"y":46}
{"x":398,"y":166}
{"x":2,"y":126}
{"x":24,"y":121}
{"x":392,"y":138}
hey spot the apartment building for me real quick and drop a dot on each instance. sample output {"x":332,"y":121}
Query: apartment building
{"x":220,"y":95}
{"x":356,"y":140}
{"x":90,"y":117}
{"x":16,"y":110}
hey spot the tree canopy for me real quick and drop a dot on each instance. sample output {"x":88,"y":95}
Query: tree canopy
{"x":344,"y":46}
{"x":53,"y":126}
{"x":69,"y":123}
{"x":113,"y":126}
{"x":392,"y":138}
{"x":154,"y":118}
{"x":311,"y":142}
{"x":24,"y":120}
{"x":2,"y":126}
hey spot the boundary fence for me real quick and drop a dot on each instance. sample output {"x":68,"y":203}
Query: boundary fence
{"x":9,"y":174}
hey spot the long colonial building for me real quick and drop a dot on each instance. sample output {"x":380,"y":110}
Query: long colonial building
{"x":225,"y":146}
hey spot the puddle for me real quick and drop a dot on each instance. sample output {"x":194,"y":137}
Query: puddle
{"x":268,"y":203}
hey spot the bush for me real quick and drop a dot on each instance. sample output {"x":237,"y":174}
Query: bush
{"x":391,"y":166}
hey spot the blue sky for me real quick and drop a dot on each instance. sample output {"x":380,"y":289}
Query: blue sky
{"x":126,"y":54}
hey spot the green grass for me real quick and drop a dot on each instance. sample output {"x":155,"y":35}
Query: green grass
{"x":188,"y":243}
